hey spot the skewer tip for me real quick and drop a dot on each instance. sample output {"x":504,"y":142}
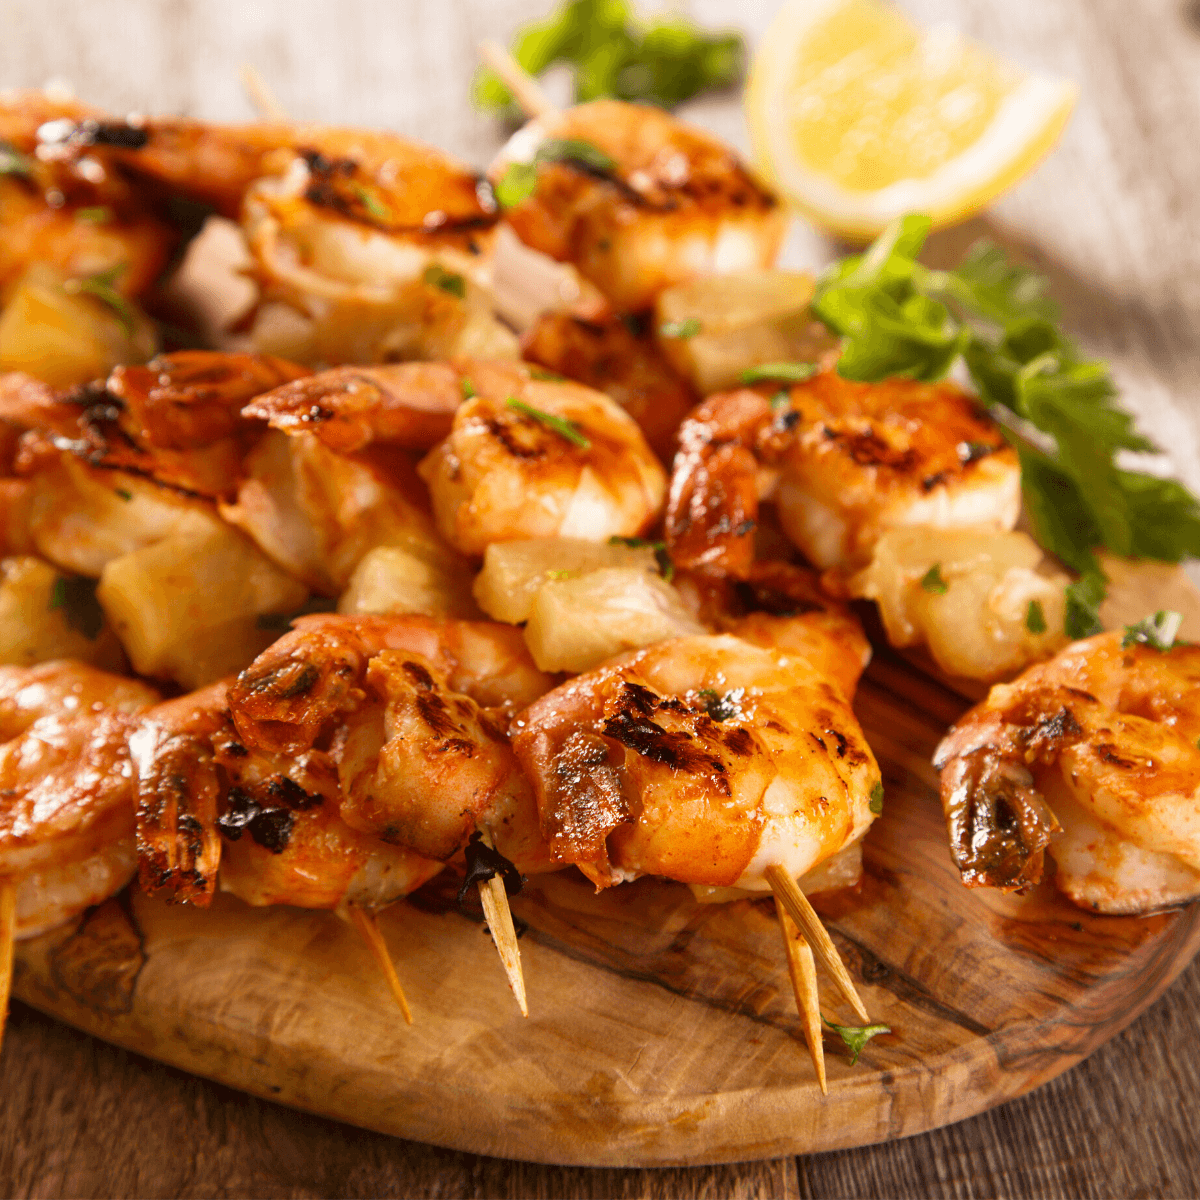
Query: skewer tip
{"x":367,"y":924}
{"x":499,"y":918}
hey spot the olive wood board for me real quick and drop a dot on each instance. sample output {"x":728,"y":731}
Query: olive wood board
{"x":661,"y":1031}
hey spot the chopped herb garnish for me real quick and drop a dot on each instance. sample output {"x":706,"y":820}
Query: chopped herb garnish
{"x":933,"y":582}
{"x":856,"y":1036}
{"x":124,"y":493}
{"x":565,"y":429}
{"x":519,"y":180}
{"x":687,"y":328}
{"x":612,"y":53}
{"x":102,"y":287}
{"x":780,"y":400}
{"x":1158,"y":631}
{"x":13,"y":162}
{"x":876,"y":804}
{"x":374,"y":206}
{"x":899,"y":317}
{"x":666,"y":568}
{"x":559,"y":574}
{"x":468,"y":389}
{"x":97,"y":214}
{"x":544,"y":375}
{"x":788,"y":372}
{"x":722,"y":708}
{"x":1035,"y":617}
{"x":447,"y":281}
{"x":76,"y":596}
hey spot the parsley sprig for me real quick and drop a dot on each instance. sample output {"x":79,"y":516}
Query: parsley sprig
{"x":664,"y":61}
{"x":520,"y":179}
{"x":103,"y":287}
{"x":899,"y":317}
{"x":564,"y":428}
{"x":856,"y":1036}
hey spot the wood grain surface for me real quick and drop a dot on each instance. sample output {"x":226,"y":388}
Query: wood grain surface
{"x":1112,"y":216}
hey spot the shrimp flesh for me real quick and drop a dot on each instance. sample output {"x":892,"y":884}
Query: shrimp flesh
{"x":843,"y":462}
{"x":702,"y":759}
{"x":531,"y":458}
{"x":1093,"y":758}
{"x":66,"y":787}
{"x":649,"y":203}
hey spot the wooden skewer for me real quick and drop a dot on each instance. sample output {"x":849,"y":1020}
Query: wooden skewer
{"x":261,"y":96}
{"x":500,"y":922}
{"x":527,"y":90}
{"x":803,"y":969}
{"x":8,"y":945}
{"x":793,"y":899}
{"x":367,"y":923}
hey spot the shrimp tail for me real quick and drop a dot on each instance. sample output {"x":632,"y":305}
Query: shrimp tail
{"x":999,"y":824}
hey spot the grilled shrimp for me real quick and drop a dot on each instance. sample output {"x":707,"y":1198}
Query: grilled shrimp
{"x":530,"y":458}
{"x":367,"y":247}
{"x":606,"y":354}
{"x":647,"y":202}
{"x":843,"y":462}
{"x":413,"y":712}
{"x":66,"y":787}
{"x":1092,"y":757}
{"x":177,"y":420}
{"x":702,"y":759}
{"x":81,"y":216}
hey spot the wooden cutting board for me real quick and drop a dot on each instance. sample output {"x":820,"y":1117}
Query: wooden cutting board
{"x":660,"y":1031}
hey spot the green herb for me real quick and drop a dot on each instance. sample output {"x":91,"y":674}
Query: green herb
{"x":1158,"y":631}
{"x":1084,"y":597}
{"x":438,"y":277}
{"x":374,"y":206}
{"x":101,"y":287}
{"x":876,"y":805}
{"x":124,"y":493}
{"x":856,"y":1036}
{"x":1035,"y":617}
{"x":782,"y":399}
{"x":76,"y":596}
{"x":664,"y":61}
{"x":541,"y":373}
{"x":789,"y":372}
{"x":519,"y":180}
{"x":666,"y":568}
{"x":468,"y":389}
{"x":97,"y":214}
{"x":565,"y":429}
{"x":933,"y":582}
{"x":722,"y":708}
{"x":687,"y":328}
{"x":898,"y":317}
{"x":560,"y":574}
{"x":13,"y":162}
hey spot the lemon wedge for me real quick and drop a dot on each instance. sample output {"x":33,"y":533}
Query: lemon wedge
{"x":858,"y":116}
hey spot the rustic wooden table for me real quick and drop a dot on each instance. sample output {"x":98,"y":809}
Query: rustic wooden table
{"x":1113,"y":217}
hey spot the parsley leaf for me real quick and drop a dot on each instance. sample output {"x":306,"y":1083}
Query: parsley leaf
{"x":1035,"y":617}
{"x":519,"y":180}
{"x":899,"y":317}
{"x":102,"y":286}
{"x":96,"y":214}
{"x":784,"y":372}
{"x":687,"y":328}
{"x":1084,"y":597}
{"x":564,"y":429}
{"x":76,"y":596}
{"x":856,"y":1036}
{"x":664,"y":61}
{"x":666,"y":568}
{"x":468,"y":388}
{"x":447,"y":281}
{"x":933,"y":581}
{"x":876,"y":804}
{"x":722,"y":708}
{"x":13,"y":162}
{"x":371,"y":203}
{"x":1158,"y":631}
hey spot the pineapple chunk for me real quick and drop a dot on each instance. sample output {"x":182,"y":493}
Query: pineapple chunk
{"x":514,"y":572}
{"x":65,"y":336}
{"x":44,"y":615}
{"x":985,"y":603}
{"x":712,"y":329}
{"x":577,"y":624}
{"x":189,"y":607}
{"x":390,"y":579}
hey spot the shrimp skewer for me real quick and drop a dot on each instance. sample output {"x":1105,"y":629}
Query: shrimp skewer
{"x":1091,"y":757}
